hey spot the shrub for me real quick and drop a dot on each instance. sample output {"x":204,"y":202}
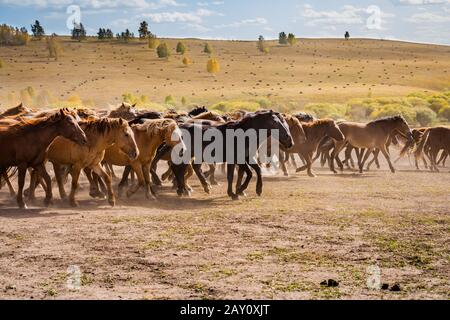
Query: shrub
{"x":78,"y":32}
{"x":437,"y":103}
{"x":53,"y":47}
{"x":417,"y":102}
{"x":394,"y":109}
{"x":153,"y":42}
{"x":261,"y":44}
{"x":292,"y":39}
{"x":227,"y":106}
{"x":169,"y":100}
{"x":425,"y":116}
{"x":445,"y":113}
{"x":208,"y":49}
{"x":213,"y":66}
{"x":327,"y":110}
{"x":183,"y":101}
{"x":360,"y":109}
{"x":10,"y":36}
{"x":266,"y":50}
{"x":186,"y":61}
{"x":163,"y":50}
{"x":181,"y":48}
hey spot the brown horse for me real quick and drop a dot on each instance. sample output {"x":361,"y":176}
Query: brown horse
{"x":125,"y":111}
{"x":209,"y":115}
{"x":371,"y":136}
{"x":149,"y":136}
{"x":315,"y":131}
{"x":18,"y":111}
{"x":101,"y":134}
{"x":434,"y":140}
{"x":24,"y":145}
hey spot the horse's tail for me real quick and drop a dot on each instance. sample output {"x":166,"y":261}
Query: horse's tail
{"x":408,"y":146}
{"x":9,"y":171}
{"x":423,"y":141}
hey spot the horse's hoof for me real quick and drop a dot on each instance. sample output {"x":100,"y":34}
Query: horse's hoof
{"x":73,"y":203}
{"x":286,"y":174}
{"x":241,"y":193}
{"x":112,"y":202}
{"x":48,"y":202}
{"x":207,"y":189}
{"x":22,"y":206}
{"x":234,"y":197}
{"x":312,"y":175}
{"x":214,"y":183}
{"x":150,"y":196}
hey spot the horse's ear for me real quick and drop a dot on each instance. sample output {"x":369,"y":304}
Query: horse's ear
{"x":121,"y":121}
{"x":20,"y":105}
{"x":134,"y":105}
{"x":123,"y":104}
{"x":61,"y":111}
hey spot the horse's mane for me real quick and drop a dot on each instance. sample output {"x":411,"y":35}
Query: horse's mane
{"x":318,"y":122}
{"x":386,"y":119}
{"x":102,"y":125}
{"x":155,"y":126}
{"x":197,"y":111}
{"x":18,"y":110}
{"x":304,"y":117}
{"x":209,"y":115}
{"x":25,"y":125}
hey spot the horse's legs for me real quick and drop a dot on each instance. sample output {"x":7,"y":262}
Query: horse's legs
{"x":230,"y":176}
{"x":22,"y":168}
{"x":283,"y":159}
{"x":388,"y":159}
{"x":309,"y":166}
{"x":124,"y":181}
{"x":107,"y":179}
{"x":198,"y":171}
{"x":240,"y":188}
{"x":433,"y":155}
{"x":42,"y":172}
{"x":212,"y":175}
{"x":30,"y":192}
{"x":12,"y":192}
{"x":294,"y":162}
{"x":59,"y":180}
{"x":149,"y":192}
{"x":366,"y":156}
{"x":137,"y":167}
{"x":75,"y":173}
{"x":374,"y":159}
{"x":179,"y":171}
{"x":334,"y":155}
{"x":259,"y":182}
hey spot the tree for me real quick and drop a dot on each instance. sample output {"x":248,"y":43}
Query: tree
{"x":125,"y":36}
{"x":101,"y":34}
{"x":292,"y":39}
{"x":153,"y":41}
{"x":282,"y":38}
{"x":78,"y":32}
{"x":53,"y":47}
{"x":261,"y":45}
{"x":347,"y":35}
{"x":163,"y":50}
{"x":208,"y":49}
{"x":143,"y":30}
{"x":109,"y":34}
{"x":37,"y":30}
{"x":213,"y":66}
{"x":11,"y":36}
{"x":181,"y":48}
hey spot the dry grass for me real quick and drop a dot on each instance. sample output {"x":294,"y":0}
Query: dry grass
{"x":311,"y":71}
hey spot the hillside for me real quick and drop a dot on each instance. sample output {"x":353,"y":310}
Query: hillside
{"x":314,"y":70}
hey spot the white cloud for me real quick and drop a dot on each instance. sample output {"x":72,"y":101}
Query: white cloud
{"x":212,"y":3}
{"x":96,"y":4}
{"x":244,"y":23}
{"x":195,"y":18}
{"x":425,"y":17}
{"x":422,"y":2}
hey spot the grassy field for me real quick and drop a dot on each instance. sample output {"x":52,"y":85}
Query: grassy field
{"x":281,"y":245}
{"x":313,"y":70}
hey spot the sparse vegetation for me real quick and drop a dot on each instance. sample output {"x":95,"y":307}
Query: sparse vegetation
{"x":292,"y":39}
{"x":207,"y":49}
{"x":125,"y":36}
{"x":78,"y":32}
{"x":11,"y":36}
{"x":282,"y":38}
{"x":37,"y":30}
{"x":163,"y":50}
{"x":213,"y":66}
{"x":54,"y":48}
{"x":153,"y":41}
{"x":143,"y":30}
{"x":181,"y":48}
{"x":261,"y":45}
{"x":186,"y":61}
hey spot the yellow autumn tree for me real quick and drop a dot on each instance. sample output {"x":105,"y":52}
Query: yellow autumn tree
{"x":213,"y":66}
{"x":186,"y":61}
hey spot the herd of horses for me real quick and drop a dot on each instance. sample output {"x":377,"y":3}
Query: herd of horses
{"x":94,"y":142}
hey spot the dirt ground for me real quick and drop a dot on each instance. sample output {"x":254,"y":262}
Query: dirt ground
{"x":314,"y":70}
{"x":279,"y":246}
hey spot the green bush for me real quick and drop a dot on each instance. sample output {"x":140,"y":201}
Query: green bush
{"x":227,"y":106}
{"x":445,"y":113}
{"x":181,"y":48}
{"x":394,"y":109}
{"x":327,"y":110}
{"x":169,"y":100}
{"x":207,"y":49}
{"x":425,"y":116}
{"x":163,"y":51}
{"x":437,"y":103}
{"x":360,"y":109}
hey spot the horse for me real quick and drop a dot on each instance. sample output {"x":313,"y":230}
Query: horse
{"x":24,"y":145}
{"x":266,"y":119}
{"x":149,"y":136}
{"x":197,"y":111}
{"x":315,"y":131}
{"x":434,"y":139}
{"x":101,"y":134}
{"x":17,"y":111}
{"x":125,"y":111}
{"x":209,"y":115}
{"x":372,"y":135}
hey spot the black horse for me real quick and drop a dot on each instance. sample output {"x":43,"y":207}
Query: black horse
{"x":267,"y":119}
{"x":197,"y":110}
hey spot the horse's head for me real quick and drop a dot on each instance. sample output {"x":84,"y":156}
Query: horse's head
{"x":274,"y":121}
{"x":403,"y":127}
{"x":332,"y":130}
{"x":69,"y":128}
{"x":197,"y":110}
{"x":124,"y":139}
{"x":172,"y":134}
{"x":296,"y":129}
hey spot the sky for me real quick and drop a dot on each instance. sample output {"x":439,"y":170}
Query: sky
{"x":426,"y":21}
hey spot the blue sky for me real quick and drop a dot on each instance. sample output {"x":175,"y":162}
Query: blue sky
{"x":411,"y":20}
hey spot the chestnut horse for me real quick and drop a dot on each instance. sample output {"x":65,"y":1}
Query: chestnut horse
{"x":371,"y":136}
{"x":24,"y":145}
{"x":101,"y":134}
{"x":434,"y":140}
